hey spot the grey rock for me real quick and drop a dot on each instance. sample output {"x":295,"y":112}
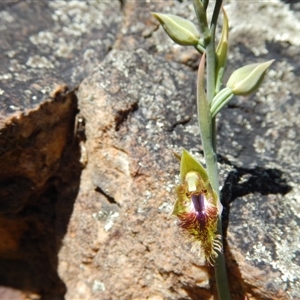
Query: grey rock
{"x":138,"y":104}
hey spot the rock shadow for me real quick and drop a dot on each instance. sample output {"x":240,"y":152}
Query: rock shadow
{"x":258,"y":180}
{"x":239,"y":183}
{"x":34,"y":216}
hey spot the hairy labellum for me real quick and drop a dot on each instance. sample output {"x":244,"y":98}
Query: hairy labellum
{"x":196,"y":209}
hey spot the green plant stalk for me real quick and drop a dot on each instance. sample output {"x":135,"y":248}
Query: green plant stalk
{"x":208,"y":137}
{"x":210,"y":100}
{"x":205,"y":4}
{"x":208,"y":134}
{"x":220,"y":270}
{"x":201,"y":16}
{"x":211,"y":70}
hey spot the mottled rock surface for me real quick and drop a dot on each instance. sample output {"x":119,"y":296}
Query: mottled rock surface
{"x":42,"y":44}
{"x":127,"y":186}
{"x":99,"y":228}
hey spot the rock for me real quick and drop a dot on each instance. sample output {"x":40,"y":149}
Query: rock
{"x":124,"y":248}
{"x":103,"y":225}
{"x":263,"y":231}
{"x":44,"y":44}
{"x":51,"y":43}
{"x":35,"y":167}
{"x":8,"y":293}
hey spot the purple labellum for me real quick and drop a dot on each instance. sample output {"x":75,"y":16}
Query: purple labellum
{"x":199,"y":205}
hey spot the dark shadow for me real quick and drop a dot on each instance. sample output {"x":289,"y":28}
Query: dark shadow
{"x":293,"y":4}
{"x":257,"y":180}
{"x":241,"y":182}
{"x":34,"y":217}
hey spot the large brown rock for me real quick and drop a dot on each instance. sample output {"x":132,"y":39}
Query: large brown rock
{"x":42,"y":44}
{"x":126,"y":247}
{"x":114,"y":240}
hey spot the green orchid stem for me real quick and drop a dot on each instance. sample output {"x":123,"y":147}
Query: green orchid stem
{"x":211,"y":70}
{"x":220,"y":271}
{"x":208,"y":137}
{"x":205,"y":4}
{"x":212,"y":171}
{"x":210,"y":100}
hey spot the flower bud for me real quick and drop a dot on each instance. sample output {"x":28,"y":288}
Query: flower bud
{"x":247,"y":79}
{"x":181,"y":31}
{"x":221,"y":51}
{"x":200,"y":10}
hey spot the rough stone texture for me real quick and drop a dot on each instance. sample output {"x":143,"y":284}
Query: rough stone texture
{"x":42,"y":44}
{"x":138,"y":105}
{"x":140,"y":30}
{"x":263,"y":229}
{"x":35,"y":199}
{"x":13,"y":294}
{"x":127,"y":186}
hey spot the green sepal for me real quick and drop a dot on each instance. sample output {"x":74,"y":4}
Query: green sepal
{"x":188,"y":164}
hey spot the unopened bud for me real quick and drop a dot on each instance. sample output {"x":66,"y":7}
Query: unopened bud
{"x":221,"y":51}
{"x":181,"y":31}
{"x":247,"y":79}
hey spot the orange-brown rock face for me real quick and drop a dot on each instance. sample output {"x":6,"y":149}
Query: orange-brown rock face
{"x":34,"y":171}
{"x":84,"y":209}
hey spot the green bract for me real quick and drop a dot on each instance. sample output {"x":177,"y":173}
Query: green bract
{"x":181,"y":31}
{"x":247,"y":79}
{"x":220,"y":100}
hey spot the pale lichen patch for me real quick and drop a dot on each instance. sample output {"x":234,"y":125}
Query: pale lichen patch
{"x":6,"y":76}
{"x":7,"y":18}
{"x":39,"y":62}
{"x":98,"y":286}
{"x":108,"y":217}
{"x":43,"y":38}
